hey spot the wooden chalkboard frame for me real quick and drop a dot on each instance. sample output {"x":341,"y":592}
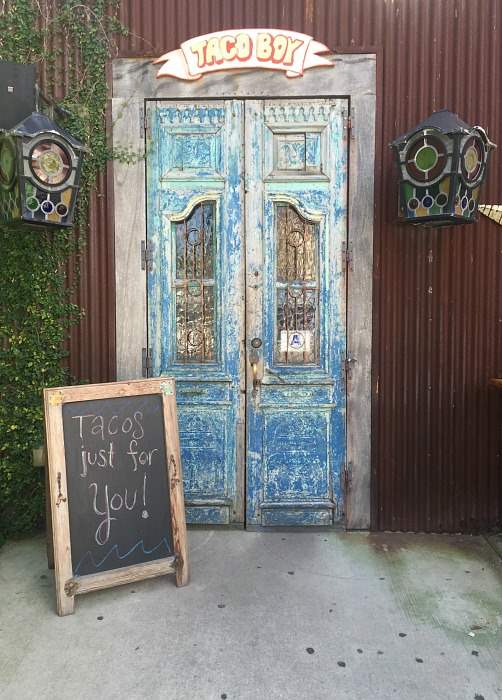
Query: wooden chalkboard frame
{"x":68,"y":585}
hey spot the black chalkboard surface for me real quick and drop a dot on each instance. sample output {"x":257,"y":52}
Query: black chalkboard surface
{"x":118,"y":497}
{"x":115,"y":486}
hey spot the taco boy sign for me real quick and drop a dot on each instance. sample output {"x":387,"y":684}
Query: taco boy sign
{"x":272,"y":49}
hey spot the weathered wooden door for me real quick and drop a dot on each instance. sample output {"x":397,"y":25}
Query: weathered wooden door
{"x":296,"y":157}
{"x":195,"y":292}
{"x":270,"y":330}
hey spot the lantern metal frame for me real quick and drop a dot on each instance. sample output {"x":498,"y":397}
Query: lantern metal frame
{"x":25,"y":198}
{"x":442,"y":164}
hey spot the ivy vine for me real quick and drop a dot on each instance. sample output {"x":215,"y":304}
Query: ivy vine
{"x":36,"y":309}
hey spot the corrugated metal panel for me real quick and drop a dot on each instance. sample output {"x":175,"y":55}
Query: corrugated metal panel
{"x":437,"y":303}
{"x":437,"y":296}
{"x":92,"y":342}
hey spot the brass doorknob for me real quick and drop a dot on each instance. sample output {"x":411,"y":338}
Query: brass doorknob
{"x":256,"y":380}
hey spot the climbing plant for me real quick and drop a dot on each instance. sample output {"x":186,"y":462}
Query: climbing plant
{"x":36,"y":309}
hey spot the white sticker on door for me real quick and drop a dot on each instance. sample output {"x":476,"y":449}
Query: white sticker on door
{"x":295,"y":341}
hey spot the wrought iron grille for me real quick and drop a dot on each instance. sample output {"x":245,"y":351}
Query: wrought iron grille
{"x":195,"y":286}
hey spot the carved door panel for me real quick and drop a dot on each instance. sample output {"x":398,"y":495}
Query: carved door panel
{"x":296,"y":159}
{"x":195,"y":295}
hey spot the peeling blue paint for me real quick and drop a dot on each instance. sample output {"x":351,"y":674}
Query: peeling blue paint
{"x":296,"y":434}
{"x":206,"y":515}
{"x":195,"y":152}
{"x":297,"y":518}
{"x":296,"y":420}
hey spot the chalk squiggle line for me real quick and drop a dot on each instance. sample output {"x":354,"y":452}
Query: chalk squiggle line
{"x":115,"y":549}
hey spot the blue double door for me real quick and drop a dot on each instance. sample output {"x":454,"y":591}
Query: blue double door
{"x":246,"y":211}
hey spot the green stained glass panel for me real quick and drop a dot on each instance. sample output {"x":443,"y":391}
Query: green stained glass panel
{"x":426,"y":158}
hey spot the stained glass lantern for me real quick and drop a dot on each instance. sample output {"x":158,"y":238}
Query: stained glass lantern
{"x":442,"y":165}
{"x":40,"y":165}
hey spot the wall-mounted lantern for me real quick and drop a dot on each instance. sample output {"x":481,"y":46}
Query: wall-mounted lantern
{"x":442,"y":164}
{"x":40,"y":165}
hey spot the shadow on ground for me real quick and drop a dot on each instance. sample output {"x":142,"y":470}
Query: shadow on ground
{"x":297,"y":615}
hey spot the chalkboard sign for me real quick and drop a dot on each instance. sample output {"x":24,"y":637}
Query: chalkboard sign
{"x":116,"y":491}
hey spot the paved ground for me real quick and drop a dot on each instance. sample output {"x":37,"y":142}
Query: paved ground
{"x":307,"y":615}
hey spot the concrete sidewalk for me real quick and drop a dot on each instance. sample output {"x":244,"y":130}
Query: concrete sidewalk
{"x":267,"y":615}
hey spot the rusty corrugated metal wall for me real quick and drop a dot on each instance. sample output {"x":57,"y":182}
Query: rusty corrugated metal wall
{"x":92,"y":342}
{"x":437,"y":294}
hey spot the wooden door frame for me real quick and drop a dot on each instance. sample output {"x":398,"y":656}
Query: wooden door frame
{"x":354,"y":77}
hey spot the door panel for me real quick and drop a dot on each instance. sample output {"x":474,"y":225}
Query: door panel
{"x":195,"y":296}
{"x":296,"y":224}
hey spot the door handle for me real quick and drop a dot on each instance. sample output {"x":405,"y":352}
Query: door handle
{"x":254,"y":361}
{"x":256,"y":380}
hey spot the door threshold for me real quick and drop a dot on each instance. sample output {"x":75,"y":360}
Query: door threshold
{"x":210,"y":526}
{"x":338,"y":527}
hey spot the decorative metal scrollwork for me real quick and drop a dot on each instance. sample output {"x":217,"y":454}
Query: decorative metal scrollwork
{"x":195,"y":285}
